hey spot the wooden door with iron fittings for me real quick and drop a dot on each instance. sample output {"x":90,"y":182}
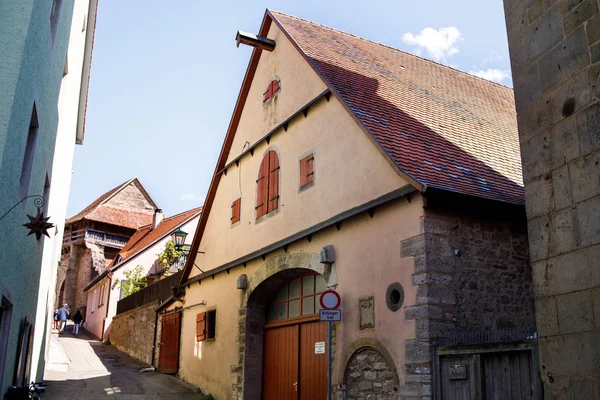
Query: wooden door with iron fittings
{"x":168,"y":360}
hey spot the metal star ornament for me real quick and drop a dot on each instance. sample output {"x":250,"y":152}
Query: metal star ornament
{"x":38,"y":225}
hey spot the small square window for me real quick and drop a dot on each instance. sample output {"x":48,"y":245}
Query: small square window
{"x":211,"y":324}
{"x":206,"y":323}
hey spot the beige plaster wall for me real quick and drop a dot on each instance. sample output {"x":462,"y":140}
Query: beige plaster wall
{"x":367,"y":261}
{"x":299,"y":85}
{"x":349,"y":171}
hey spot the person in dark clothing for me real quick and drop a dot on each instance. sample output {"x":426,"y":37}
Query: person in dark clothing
{"x":63,"y":314}
{"x":77,"y":319}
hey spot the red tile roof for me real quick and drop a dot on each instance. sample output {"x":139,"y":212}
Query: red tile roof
{"x":99,"y":211}
{"x":443,"y":127}
{"x":144,"y":237}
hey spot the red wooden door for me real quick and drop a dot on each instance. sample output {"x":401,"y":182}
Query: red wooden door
{"x":168,"y":360}
{"x":280,"y":377}
{"x":313,"y":367}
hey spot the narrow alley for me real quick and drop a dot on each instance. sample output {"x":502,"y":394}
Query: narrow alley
{"x":84,"y":368}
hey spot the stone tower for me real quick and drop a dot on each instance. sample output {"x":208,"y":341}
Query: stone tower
{"x":94,"y":236}
{"x":555,"y":56}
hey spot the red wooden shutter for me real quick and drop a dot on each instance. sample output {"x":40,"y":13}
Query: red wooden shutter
{"x":306,"y":170}
{"x":201,"y":326}
{"x":273,"y":181}
{"x":235,"y":210}
{"x":262,"y":187}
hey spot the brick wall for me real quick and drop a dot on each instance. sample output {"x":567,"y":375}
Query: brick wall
{"x":140,"y":321}
{"x":473,"y":276}
{"x":555,"y":56}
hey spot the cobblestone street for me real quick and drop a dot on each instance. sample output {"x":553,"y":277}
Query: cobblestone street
{"x":84,"y":368}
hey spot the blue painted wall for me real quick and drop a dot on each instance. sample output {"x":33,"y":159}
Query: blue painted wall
{"x":31,"y":69}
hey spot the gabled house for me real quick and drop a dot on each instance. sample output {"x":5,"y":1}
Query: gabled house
{"x":95,"y":235}
{"x":392,"y":179}
{"x":104,"y":291}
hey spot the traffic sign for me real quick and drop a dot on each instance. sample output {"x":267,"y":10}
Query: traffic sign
{"x":330,"y":315}
{"x":330,"y":300}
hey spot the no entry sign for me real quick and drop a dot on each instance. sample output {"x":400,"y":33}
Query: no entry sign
{"x":330,"y":300}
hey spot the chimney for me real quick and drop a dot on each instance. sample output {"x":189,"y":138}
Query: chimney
{"x":157,"y":218}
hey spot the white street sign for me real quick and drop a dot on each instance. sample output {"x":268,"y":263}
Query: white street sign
{"x":319,"y":347}
{"x":330,"y":315}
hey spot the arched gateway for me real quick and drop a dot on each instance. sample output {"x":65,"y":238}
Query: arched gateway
{"x":280,"y":321}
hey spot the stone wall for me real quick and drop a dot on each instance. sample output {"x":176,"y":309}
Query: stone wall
{"x":132,"y":196}
{"x":555,"y":56}
{"x":369,"y":375}
{"x":473,"y":276}
{"x":133,"y":332}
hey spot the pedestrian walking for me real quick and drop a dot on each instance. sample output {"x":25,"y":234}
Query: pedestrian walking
{"x":55,"y":321}
{"x":63,"y":314}
{"x":77,"y":319}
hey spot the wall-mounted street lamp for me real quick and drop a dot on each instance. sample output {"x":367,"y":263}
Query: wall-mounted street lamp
{"x":39,"y":224}
{"x":178,"y":237}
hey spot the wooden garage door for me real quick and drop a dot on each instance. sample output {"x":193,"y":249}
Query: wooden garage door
{"x":313,"y":367}
{"x":292,"y":370}
{"x":281,"y":363}
{"x":168,"y":360}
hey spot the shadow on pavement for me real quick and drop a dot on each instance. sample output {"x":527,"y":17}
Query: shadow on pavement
{"x":97,"y":370}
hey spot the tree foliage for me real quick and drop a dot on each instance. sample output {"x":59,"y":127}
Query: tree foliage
{"x":135,"y":280}
{"x":169,"y":256}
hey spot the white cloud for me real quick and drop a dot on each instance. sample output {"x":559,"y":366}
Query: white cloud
{"x":439,"y":44}
{"x":492,"y":74}
{"x":191,"y":197}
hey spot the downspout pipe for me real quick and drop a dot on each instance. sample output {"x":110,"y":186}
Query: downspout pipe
{"x":155,"y":334}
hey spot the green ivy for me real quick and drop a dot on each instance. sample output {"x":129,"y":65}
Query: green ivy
{"x":135,"y":280}
{"x":169,"y":256}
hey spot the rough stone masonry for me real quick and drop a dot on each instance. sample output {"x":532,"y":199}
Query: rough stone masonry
{"x":555,"y":56}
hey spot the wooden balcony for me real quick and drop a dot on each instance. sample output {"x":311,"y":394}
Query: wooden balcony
{"x":100,"y":237}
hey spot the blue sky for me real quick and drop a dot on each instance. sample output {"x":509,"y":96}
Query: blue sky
{"x":166,"y":75}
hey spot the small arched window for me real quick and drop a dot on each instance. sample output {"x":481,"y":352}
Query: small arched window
{"x":267,"y":198}
{"x":297,"y":298}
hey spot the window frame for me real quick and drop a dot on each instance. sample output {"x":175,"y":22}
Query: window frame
{"x":29,"y":153}
{"x":208,"y":319}
{"x":101,"y":298}
{"x":94,"y":300}
{"x":300,"y":318}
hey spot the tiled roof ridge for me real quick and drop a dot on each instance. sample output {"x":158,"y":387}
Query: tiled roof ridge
{"x":192,"y":210}
{"x":118,"y":189}
{"x":389,"y":47}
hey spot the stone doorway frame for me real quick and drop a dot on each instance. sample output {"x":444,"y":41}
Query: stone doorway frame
{"x":251,"y":314}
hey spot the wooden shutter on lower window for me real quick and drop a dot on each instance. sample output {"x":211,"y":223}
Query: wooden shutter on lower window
{"x":200,"y":327}
{"x":235,"y":210}
{"x":306,"y":170}
{"x":262,"y":188}
{"x":273,"y":181}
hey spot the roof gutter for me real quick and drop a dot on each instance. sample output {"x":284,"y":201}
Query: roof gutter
{"x":85,"y":72}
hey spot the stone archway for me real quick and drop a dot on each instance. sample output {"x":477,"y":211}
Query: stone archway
{"x":251,"y":317}
{"x":369,"y":370}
